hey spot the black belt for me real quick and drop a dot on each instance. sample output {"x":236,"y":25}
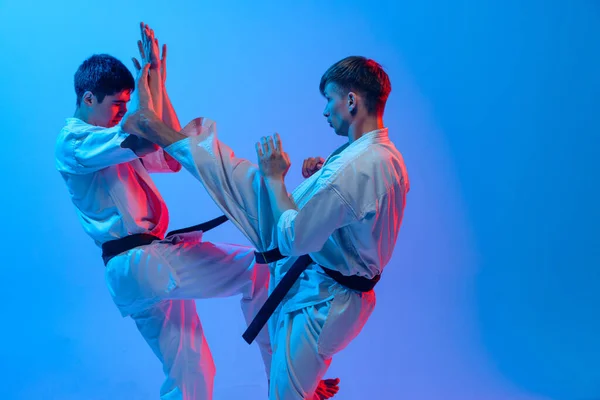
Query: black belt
{"x":115,"y":247}
{"x":354,"y":282}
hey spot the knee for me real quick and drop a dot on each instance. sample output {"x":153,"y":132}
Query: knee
{"x":259,"y":282}
{"x":261,"y":277}
{"x":137,"y":277}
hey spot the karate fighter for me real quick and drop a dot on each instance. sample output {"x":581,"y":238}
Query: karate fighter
{"x":346,"y":216}
{"x":152,"y":277}
{"x":330,"y":241}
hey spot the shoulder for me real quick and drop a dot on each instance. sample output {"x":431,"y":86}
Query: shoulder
{"x":375,"y":161}
{"x":66,"y":133}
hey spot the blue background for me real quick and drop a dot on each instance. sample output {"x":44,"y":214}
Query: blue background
{"x":493,"y":289}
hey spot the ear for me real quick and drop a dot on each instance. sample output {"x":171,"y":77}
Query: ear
{"x":88,"y":98}
{"x":352,"y":98}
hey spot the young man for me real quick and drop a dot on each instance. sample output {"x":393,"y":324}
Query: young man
{"x":152,"y":278}
{"x":346,"y":216}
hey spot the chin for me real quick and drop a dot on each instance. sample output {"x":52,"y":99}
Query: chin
{"x":114,"y":123}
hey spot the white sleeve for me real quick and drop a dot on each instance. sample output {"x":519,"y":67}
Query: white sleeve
{"x":160,"y":161}
{"x":306,"y":231}
{"x":92,"y":148}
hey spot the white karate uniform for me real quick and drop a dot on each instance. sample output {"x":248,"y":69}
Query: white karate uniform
{"x":348,"y":218}
{"x":156,"y":284}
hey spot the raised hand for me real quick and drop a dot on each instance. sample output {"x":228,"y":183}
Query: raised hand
{"x":272,"y":160}
{"x":141,"y":106}
{"x":148,"y":47}
{"x":149,"y":54}
{"x":142,"y":97}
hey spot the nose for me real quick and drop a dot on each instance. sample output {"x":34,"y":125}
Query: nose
{"x":326,"y":112}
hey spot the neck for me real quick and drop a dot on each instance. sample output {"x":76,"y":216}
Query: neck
{"x":360,"y":128}
{"x":80,"y":114}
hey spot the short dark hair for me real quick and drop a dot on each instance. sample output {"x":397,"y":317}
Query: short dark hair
{"x":362,"y":75}
{"x":103,"y":75}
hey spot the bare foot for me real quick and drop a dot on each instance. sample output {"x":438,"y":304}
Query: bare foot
{"x":327,"y":388}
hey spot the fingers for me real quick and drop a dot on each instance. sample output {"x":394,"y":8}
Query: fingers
{"x":143,"y":75}
{"x":141,"y":49}
{"x":142,"y":44}
{"x":146,"y":43}
{"x":305,"y":169}
{"x":163,"y":63}
{"x":150,"y":38}
{"x":144,"y":71}
{"x":317,"y":163}
{"x":136,"y":65}
{"x":259,"y":151}
{"x":278,"y":144}
{"x":286,"y":157}
{"x":269,"y":145}
{"x":265,"y":145}
{"x":309,"y":167}
{"x":149,"y":46}
{"x":327,"y":388}
{"x":317,"y":166}
{"x":144,"y":32}
{"x":164,"y":53}
{"x":150,"y":32}
{"x":146,"y":46}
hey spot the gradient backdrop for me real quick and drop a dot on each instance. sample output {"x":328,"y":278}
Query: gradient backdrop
{"x":493,"y":290}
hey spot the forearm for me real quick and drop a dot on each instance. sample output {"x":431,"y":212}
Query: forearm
{"x":169,"y":116}
{"x":170,"y":119}
{"x":156,"y":91}
{"x":278,"y":197}
{"x":141,"y":147}
{"x":157,"y":131}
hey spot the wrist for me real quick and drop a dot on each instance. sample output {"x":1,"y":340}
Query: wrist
{"x":274,"y":180}
{"x":160,"y":133}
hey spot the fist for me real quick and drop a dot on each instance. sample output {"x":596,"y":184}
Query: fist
{"x":312,"y":165}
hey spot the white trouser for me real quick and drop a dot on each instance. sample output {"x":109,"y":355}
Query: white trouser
{"x":303,"y":340}
{"x":156,"y":285}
